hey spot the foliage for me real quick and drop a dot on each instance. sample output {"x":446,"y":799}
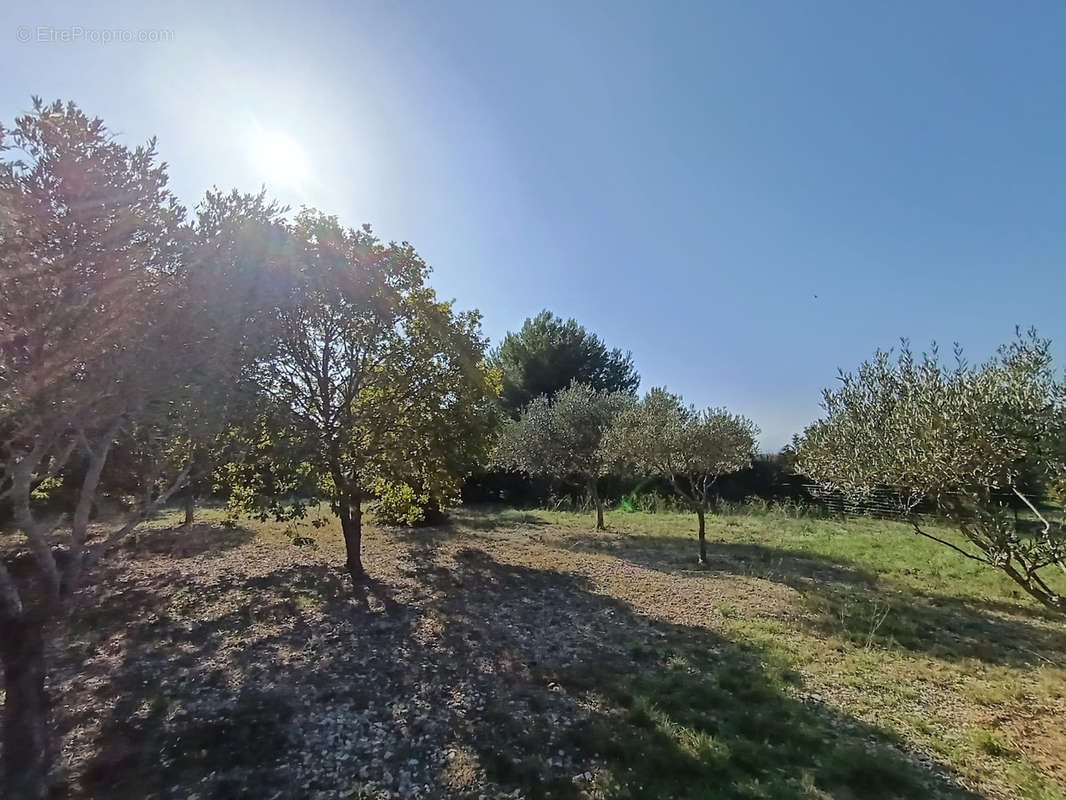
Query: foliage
{"x":92,"y":347}
{"x":967,"y":438}
{"x":548,"y":354}
{"x":690,"y":448}
{"x":373,"y":381}
{"x":400,"y":503}
{"x":564,"y":437}
{"x":91,"y":313}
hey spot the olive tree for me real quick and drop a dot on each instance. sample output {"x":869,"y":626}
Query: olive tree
{"x":688,"y":447}
{"x":970,"y":439}
{"x":564,"y":438}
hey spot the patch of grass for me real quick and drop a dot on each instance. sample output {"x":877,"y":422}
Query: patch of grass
{"x":867,"y":772}
{"x":887,"y":626}
{"x":726,"y":727}
{"x":881,"y":548}
{"x":991,"y":743}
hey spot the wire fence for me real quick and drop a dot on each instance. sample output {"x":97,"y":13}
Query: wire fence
{"x":880,"y":503}
{"x":895,"y":503}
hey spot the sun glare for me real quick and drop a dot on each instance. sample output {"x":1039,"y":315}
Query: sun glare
{"x":279,"y":158}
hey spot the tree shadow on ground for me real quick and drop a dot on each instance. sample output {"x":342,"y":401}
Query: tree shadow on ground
{"x":488,"y":518}
{"x":460,"y":676}
{"x":846,"y":600}
{"x":188,"y":541}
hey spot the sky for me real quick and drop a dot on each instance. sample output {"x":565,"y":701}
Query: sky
{"x":746,"y":195}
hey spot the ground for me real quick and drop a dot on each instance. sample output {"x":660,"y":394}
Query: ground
{"x":523,"y":654}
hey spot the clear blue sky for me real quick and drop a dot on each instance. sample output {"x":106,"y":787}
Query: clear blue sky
{"x":681,"y":177}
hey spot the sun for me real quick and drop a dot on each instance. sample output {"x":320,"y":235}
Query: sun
{"x":278,"y":158}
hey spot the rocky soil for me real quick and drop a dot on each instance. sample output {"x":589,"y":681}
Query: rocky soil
{"x":213,"y":662}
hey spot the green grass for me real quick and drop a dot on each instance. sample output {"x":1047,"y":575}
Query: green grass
{"x":724,"y":726}
{"x":944,"y":656}
{"x":882,"y":549}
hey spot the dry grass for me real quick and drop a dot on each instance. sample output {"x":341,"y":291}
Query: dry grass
{"x":519,"y":654}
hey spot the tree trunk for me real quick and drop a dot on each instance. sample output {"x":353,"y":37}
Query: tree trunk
{"x":594,"y":490}
{"x":703,"y":537}
{"x":1037,"y":589}
{"x":190,"y":508}
{"x":351,"y":514}
{"x":27,"y":750}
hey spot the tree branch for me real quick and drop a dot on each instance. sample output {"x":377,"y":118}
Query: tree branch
{"x":957,"y":549}
{"x":86,"y":495}
{"x":35,"y":534}
{"x":1046,"y":533}
{"x":1039,"y":516}
{"x":145,"y":511}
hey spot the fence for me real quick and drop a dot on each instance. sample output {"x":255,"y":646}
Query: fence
{"x":880,"y":503}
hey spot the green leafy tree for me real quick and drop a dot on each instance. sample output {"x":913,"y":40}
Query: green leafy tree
{"x":371,"y":381}
{"x":548,"y":354}
{"x":969,"y":439}
{"x":90,"y":348}
{"x":564,"y":438}
{"x":690,"y":448}
{"x":236,"y":274}
{"x":235,"y":271}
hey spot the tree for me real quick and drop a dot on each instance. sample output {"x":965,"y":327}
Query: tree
{"x":548,"y":354}
{"x":89,"y":245}
{"x":233,"y":275}
{"x":967,"y":439}
{"x":370,"y":382}
{"x":237,"y":273}
{"x":564,"y":438}
{"x":691,"y":449}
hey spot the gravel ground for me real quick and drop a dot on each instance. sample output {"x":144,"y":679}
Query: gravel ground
{"x":211,"y":662}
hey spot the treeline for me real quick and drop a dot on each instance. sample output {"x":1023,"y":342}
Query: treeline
{"x":545,"y":357}
{"x":770,"y":479}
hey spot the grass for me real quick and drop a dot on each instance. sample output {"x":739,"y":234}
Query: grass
{"x":944,"y":655}
{"x":810,"y":659}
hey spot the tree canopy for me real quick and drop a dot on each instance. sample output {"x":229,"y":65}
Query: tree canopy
{"x":690,"y":448}
{"x":564,"y":438}
{"x":548,"y":354}
{"x":967,"y":438}
{"x":379,"y":386}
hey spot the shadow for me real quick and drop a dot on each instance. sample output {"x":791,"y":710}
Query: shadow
{"x":489,"y":518}
{"x":454,"y":675}
{"x":188,"y":541}
{"x":861,"y":606}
